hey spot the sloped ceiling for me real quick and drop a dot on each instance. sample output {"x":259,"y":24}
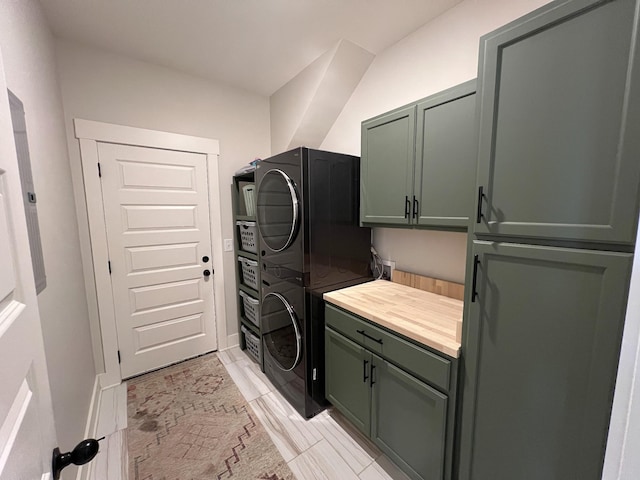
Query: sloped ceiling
{"x":257,"y":45}
{"x":303,"y":110}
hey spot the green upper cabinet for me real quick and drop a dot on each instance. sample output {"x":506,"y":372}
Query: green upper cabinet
{"x":388,"y":153}
{"x":559,"y":111}
{"x":541,"y":353}
{"x":446,"y":158}
{"x":418,"y":162}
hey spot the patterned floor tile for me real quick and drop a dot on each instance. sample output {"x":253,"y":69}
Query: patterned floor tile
{"x":250,"y":382}
{"x":382,"y":469}
{"x":321,"y":462}
{"x":231,"y":355}
{"x":357,"y":457}
{"x":291,"y":434}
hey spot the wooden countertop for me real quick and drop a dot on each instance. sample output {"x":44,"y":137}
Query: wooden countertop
{"x":431,"y":319}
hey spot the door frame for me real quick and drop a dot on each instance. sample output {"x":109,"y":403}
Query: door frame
{"x":93,"y":232}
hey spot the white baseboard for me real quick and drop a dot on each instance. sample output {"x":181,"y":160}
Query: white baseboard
{"x":92,"y":424}
{"x":107,"y":418}
{"x":232,"y":341}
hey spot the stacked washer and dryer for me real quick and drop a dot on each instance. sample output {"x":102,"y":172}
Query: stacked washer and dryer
{"x":310,"y":243}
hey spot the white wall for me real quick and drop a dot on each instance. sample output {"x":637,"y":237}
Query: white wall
{"x":622,"y":461}
{"x":289,"y":103}
{"x":29,"y":59}
{"x":441,"y":54}
{"x":105,"y":87}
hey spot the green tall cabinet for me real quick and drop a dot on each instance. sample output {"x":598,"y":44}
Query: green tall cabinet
{"x":419,"y":162}
{"x":541,"y":350}
{"x":552,"y":241}
{"x":559,"y":142}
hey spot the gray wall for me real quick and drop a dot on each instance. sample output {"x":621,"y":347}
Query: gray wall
{"x":29,"y":59}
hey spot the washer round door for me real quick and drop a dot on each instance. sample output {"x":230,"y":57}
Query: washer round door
{"x":278,"y":208}
{"x":281,"y":332}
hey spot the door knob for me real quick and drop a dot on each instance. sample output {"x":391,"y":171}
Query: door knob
{"x":84,"y":452}
{"x":206,"y":273}
{"x":205,"y":259}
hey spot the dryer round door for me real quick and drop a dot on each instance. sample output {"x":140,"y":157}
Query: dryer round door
{"x":281,"y":332}
{"x":278,"y":210}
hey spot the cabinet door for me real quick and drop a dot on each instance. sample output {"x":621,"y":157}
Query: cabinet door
{"x":541,"y":352}
{"x":388,"y":152}
{"x":559,"y":108}
{"x":408,"y":420}
{"x":347,"y":369}
{"x":446,"y":157}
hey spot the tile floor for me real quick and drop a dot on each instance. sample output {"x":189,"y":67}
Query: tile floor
{"x":325,"y":447}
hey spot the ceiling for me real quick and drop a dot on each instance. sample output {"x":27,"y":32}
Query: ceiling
{"x":256,"y":45}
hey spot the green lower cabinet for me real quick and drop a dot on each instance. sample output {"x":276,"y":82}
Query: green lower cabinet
{"x":408,"y":420}
{"x":347,"y":379}
{"x":404,"y":416}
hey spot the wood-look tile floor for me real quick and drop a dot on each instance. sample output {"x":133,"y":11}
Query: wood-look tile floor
{"x":325,"y":447}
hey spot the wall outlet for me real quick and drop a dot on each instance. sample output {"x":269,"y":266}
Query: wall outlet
{"x":388,"y":266}
{"x":228,"y":244}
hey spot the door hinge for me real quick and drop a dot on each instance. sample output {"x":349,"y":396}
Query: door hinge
{"x":119,"y":360}
{"x":109,"y":264}
{"x":99,"y":170}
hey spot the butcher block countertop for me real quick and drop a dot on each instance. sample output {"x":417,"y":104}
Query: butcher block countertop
{"x":428,"y":318}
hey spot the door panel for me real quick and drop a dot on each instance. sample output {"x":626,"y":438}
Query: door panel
{"x":542,"y":349}
{"x":161,"y":333}
{"x":27,"y":435}
{"x":347,"y":369}
{"x":409,"y":420}
{"x":558,"y":143}
{"x":388,"y":153}
{"x":447,"y":157}
{"x":141,"y":259}
{"x":157,"y":217}
{"x":153,"y":217}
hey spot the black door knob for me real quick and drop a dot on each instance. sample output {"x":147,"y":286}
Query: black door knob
{"x":84,"y":452}
{"x":205,"y":259}
{"x":206,"y":273}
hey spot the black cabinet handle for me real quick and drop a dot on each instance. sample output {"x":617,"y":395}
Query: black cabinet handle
{"x":364,"y":371}
{"x":474,"y":281}
{"x":373,"y":369}
{"x":407,"y":206}
{"x":480,"y":197}
{"x":416,"y":204}
{"x":362,"y":332}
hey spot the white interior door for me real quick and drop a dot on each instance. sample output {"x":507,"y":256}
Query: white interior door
{"x":27,"y":435}
{"x":156,"y":207}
